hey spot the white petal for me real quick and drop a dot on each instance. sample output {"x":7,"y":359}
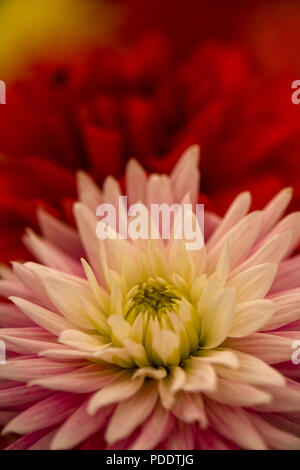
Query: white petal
{"x":82,"y":341}
{"x":216,"y":311}
{"x":251,"y":316}
{"x":254,"y":283}
{"x":122,"y":389}
{"x":66,"y":296}
{"x":45,"y":318}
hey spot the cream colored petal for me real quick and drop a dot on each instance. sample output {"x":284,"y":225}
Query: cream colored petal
{"x":66,"y":296}
{"x":166,"y":345}
{"x":150,"y":372}
{"x":120,"y":329}
{"x":101,"y":296}
{"x":117,"y":356}
{"x":157,"y":261}
{"x":217,"y":356}
{"x":199,"y":377}
{"x":122,"y":389}
{"x":223,"y":265}
{"x":254,"y":283}
{"x":42,"y":317}
{"x":251,"y":316}
{"x":97,"y":318}
{"x":82,"y":341}
{"x":216,"y":311}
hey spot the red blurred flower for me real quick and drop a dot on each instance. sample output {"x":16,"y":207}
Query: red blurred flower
{"x":144,"y":102}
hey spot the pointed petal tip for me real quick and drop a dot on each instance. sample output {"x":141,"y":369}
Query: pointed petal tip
{"x":193,"y":153}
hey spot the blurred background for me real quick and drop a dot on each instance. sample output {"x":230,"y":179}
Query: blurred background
{"x":91,"y":83}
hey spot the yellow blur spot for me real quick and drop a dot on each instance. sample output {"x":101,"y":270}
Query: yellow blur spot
{"x":31,"y":30}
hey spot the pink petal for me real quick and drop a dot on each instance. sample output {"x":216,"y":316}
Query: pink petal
{"x":154,"y":430}
{"x":45,"y":413}
{"x":79,"y":426}
{"x":235,"y":425}
{"x":137,"y":407}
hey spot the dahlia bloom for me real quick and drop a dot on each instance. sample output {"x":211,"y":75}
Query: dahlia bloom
{"x":142,"y":344}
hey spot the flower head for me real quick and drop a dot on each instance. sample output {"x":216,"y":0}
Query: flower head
{"x":145,"y":344}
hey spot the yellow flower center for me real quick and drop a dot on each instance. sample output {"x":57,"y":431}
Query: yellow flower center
{"x":154,"y":297}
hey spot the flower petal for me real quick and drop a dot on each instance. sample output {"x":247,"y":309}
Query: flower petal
{"x":138,"y":407}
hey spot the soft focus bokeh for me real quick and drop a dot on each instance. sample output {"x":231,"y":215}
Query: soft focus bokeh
{"x":38,"y":30}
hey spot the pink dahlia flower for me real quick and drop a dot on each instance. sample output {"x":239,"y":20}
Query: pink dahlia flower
{"x":142,"y":344}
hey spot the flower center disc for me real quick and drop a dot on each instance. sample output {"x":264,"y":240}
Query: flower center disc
{"x":154,"y":297}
